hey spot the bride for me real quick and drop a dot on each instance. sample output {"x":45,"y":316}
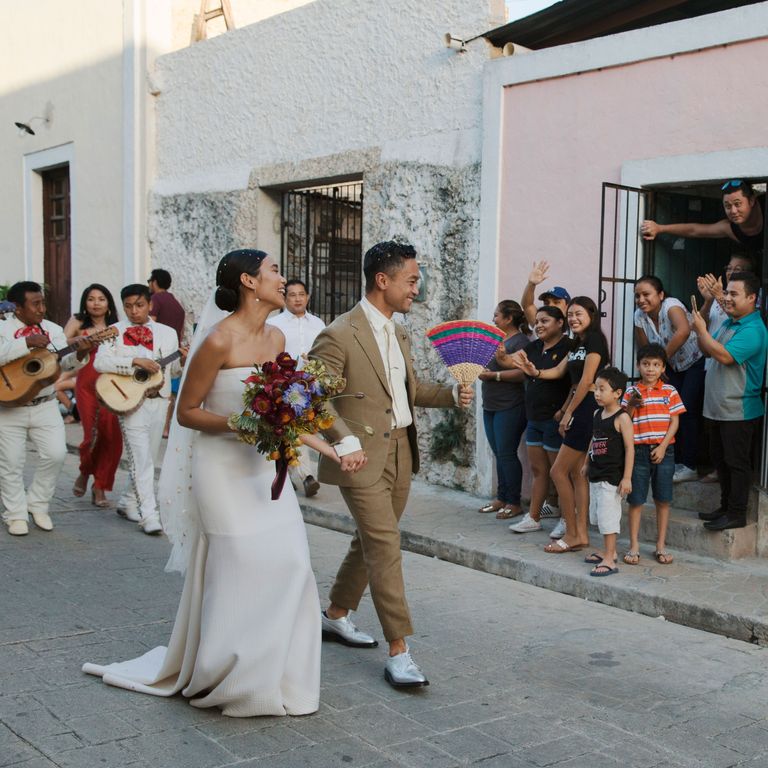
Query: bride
{"x":247,"y":631}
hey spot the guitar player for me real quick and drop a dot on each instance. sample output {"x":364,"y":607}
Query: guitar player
{"x":37,"y":419}
{"x":140,"y":343}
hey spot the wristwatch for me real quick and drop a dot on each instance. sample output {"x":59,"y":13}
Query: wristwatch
{"x":498,"y":375}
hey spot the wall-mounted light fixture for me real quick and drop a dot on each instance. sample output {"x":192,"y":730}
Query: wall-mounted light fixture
{"x":26,"y":128}
{"x":458,"y":44}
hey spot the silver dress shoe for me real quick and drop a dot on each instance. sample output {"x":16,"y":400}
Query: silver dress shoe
{"x":344,"y":631}
{"x":401,"y":671}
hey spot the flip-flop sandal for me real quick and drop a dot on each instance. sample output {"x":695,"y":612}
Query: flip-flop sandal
{"x":664,"y":558}
{"x":559,"y":547}
{"x":631,"y":558}
{"x":603,"y":570}
{"x":594,"y":559}
{"x":491,"y":507}
{"x":505,"y":513}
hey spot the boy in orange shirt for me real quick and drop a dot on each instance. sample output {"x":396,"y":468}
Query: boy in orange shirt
{"x":655,"y":408}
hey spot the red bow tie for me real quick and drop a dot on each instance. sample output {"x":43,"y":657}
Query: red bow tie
{"x":138,"y":336}
{"x":29,"y":330}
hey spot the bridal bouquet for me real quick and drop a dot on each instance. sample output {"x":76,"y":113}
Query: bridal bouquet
{"x":281,"y":404}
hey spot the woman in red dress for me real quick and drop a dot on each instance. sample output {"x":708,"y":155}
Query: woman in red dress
{"x":102,"y":444}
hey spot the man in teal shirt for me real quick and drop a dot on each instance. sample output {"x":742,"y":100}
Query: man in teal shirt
{"x":733,"y":396}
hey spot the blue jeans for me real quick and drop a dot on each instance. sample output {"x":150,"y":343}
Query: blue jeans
{"x":658,"y":476}
{"x":690,"y":386}
{"x":503,"y":429}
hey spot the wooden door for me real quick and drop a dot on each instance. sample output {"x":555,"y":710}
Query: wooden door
{"x":57,"y":244}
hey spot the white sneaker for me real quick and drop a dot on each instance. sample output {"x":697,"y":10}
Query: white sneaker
{"x":42,"y":520}
{"x":526,"y":525}
{"x":129,"y":513}
{"x":17,"y":527}
{"x":684,"y":475}
{"x":549,"y":510}
{"x":151,"y":525}
{"x":559,"y":530}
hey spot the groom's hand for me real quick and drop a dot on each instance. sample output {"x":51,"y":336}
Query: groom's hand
{"x":466,"y":395}
{"x":353,"y":461}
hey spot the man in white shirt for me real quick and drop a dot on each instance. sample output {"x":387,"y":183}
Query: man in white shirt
{"x":38,"y":419}
{"x":300,"y":329}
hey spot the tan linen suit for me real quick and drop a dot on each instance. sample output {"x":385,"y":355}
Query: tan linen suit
{"x":377,"y":494}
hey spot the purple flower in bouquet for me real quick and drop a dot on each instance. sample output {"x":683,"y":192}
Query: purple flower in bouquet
{"x":297,"y":397}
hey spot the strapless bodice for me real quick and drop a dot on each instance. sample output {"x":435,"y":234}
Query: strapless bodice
{"x":226,"y":394}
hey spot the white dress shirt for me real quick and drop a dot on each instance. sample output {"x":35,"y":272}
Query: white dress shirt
{"x":300,"y":332}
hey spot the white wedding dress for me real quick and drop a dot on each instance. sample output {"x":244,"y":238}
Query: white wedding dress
{"x":247,"y":632}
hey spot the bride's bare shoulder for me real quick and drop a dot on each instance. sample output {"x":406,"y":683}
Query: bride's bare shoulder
{"x":218,"y":341}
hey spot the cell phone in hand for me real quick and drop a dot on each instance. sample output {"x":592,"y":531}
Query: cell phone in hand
{"x":694,"y":305}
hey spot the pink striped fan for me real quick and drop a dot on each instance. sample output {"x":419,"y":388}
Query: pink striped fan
{"x":465,"y":346}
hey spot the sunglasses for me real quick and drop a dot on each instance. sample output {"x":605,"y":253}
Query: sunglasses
{"x":731,"y":183}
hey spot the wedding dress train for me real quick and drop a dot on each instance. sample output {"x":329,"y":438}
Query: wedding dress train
{"x":247,"y":631}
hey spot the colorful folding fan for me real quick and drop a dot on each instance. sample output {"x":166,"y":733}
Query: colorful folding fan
{"x":465,"y":346}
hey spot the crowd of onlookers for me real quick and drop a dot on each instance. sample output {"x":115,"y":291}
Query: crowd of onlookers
{"x":591,"y":438}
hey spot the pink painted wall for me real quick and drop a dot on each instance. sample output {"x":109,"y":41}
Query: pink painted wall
{"x":563,"y":137}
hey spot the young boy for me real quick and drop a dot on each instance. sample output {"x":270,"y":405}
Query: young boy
{"x":655,"y":408}
{"x":140,"y":344}
{"x":609,"y":466}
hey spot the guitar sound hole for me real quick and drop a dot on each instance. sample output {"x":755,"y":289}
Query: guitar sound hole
{"x":141,"y":375}
{"x":33,"y":367}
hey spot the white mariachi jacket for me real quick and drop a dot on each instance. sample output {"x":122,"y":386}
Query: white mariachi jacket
{"x":115,"y":356}
{"x":12,"y":348}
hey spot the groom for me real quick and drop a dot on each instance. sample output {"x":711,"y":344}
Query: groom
{"x":373,"y":354}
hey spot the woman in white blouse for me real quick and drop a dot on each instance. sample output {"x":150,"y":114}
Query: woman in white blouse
{"x":660,"y":319}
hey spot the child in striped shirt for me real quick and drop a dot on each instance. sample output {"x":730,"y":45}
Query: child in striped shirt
{"x":655,"y":408}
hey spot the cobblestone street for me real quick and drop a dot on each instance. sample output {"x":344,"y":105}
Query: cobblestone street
{"x":520,"y":676}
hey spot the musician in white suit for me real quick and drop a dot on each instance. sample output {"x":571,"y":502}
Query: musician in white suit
{"x":140,"y":344}
{"x":38,"y":419}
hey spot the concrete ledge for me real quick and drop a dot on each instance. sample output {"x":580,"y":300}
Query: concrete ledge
{"x":729,"y":599}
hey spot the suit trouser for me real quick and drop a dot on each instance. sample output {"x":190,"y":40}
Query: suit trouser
{"x":374,"y":555}
{"x":43,"y":425}
{"x":142,"y":433}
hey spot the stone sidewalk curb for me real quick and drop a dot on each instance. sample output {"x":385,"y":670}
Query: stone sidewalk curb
{"x":716,"y":616}
{"x":729,"y":599}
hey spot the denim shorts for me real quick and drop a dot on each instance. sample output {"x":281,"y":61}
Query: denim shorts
{"x":544,"y":434}
{"x":658,"y":476}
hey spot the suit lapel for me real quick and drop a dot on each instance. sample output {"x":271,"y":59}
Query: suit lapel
{"x":367,"y":341}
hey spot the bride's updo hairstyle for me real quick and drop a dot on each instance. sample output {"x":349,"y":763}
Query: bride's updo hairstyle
{"x":228,"y":273}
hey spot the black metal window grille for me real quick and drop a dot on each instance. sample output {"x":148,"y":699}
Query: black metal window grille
{"x":322,"y":245}
{"x":623,"y":258}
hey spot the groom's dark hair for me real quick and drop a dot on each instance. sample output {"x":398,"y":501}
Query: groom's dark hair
{"x":387,"y":257}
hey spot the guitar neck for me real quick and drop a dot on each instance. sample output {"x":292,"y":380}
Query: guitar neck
{"x":163,"y":361}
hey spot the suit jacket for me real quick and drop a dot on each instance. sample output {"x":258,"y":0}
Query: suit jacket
{"x":115,"y":356}
{"x":348,"y":348}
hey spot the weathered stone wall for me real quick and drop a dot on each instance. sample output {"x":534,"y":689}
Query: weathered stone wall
{"x":437,"y":210}
{"x":190,"y":233}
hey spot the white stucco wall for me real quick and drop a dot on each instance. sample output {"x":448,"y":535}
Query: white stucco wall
{"x":329,"y":77}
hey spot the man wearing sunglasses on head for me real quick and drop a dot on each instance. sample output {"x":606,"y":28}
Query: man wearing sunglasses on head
{"x":743,"y":222}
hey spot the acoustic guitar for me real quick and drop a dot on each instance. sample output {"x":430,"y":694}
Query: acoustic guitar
{"x":22,"y":379}
{"x":124,"y":394}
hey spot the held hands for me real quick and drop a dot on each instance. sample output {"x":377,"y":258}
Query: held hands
{"x":144,"y":362}
{"x":354,"y":461}
{"x":539,"y":273}
{"x":649,"y":229}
